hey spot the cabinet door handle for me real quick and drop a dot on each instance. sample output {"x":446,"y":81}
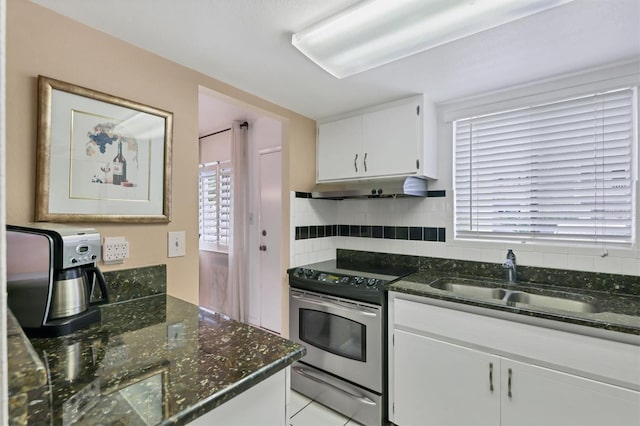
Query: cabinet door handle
{"x":509,"y":384}
{"x":355,"y":163}
{"x":365,"y":161}
{"x":491,"y":376}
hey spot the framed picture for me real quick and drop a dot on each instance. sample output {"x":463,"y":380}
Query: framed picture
{"x":100,"y":158}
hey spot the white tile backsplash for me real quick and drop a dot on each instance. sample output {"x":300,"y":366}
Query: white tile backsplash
{"x":530,"y":258}
{"x":555,"y":260}
{"x":580,"y":262}
{"x":435,"y":212}
{"x":307,"y":212}
{"x":630,"y":266}
{"x":608,"y":264}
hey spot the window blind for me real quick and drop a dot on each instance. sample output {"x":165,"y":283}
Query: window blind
{"x":215,"y":204}
{"x":562,"y":171}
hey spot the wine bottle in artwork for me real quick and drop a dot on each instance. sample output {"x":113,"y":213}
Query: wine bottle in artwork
{"x":119,"y":167}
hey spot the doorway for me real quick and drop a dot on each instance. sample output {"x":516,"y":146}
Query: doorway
{"x":264,"y":288}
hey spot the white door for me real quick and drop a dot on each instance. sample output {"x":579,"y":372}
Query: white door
{"x":437,"y":383}
{"x":533,"y":395}
{"x":270,"y":280}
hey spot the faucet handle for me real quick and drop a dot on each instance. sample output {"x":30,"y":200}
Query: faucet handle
{"x":511,"y":255}
{"x":508,"y":264}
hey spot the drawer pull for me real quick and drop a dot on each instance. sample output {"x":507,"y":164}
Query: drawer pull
{"x":509,"y":384}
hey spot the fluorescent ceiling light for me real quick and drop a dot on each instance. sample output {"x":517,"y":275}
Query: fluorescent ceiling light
{"x":376,"y":32}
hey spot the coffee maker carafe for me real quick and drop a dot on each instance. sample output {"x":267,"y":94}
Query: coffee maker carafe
{"x":72,"y":291}
{"x":54,"y":286}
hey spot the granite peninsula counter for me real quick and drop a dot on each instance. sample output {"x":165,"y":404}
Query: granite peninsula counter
{"x":156,"y":358}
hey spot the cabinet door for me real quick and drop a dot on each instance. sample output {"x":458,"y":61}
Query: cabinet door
{"x":339,"y":146}
{"x":263,"y":404}
{"x":392,"y":140}
{"x":540,"y":396}
{"x":437,"y":383}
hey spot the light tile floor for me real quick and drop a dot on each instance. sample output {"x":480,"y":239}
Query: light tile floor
{"x":303,"y":411}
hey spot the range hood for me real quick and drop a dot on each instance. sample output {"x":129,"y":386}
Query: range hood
{"x":411,"y":186}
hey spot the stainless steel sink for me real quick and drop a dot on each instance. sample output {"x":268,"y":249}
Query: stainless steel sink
{"x":563,"y":303}
{"x":468,"y":289}
{"x":471,"y":289}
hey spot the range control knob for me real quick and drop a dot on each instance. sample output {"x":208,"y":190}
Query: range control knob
{"x":371,"y":282}
{"x":358,"y":280}
{"x":74,"y":260}
{"x":344,"y":280}
{"x":308,"y":273}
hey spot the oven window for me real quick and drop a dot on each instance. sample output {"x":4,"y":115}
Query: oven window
{"x":333,"y":333}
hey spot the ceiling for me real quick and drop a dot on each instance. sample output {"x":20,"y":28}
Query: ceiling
{"x":247,"y":44}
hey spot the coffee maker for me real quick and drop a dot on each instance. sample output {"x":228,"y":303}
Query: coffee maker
{"x":54,"y":285}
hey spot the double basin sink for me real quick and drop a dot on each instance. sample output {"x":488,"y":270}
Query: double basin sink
{"x":512,"y":295}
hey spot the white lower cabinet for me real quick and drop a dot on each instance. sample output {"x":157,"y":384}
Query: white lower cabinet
{"x":437,"y":383}
{"x":541,"y":396}
{"x":263,"y":404}
{"x":435,"y":378}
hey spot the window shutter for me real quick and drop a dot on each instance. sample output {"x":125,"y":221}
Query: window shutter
{"x":561,"y":171}
{"x":215,"y":205}
{"x":225,"y":206}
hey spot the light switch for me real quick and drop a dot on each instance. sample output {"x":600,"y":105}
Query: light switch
{"x":176,"y":244}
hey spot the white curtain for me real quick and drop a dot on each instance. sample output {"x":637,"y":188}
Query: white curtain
{"x":238,"y":247}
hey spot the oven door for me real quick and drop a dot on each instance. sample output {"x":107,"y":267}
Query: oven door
{"x":342,"y":337}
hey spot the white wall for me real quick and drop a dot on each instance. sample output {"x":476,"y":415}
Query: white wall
{"x":216,"y":147}
{"x":438,"y":212}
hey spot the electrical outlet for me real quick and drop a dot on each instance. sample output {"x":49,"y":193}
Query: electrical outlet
{"x":115,"y":250}
{"x":175,"y":244}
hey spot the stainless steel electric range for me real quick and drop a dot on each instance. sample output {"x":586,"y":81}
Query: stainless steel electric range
{"x":340,"y":316}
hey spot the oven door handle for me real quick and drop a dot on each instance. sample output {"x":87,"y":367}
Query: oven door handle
{"x":311,"y":376}
{"x":335,"y":304}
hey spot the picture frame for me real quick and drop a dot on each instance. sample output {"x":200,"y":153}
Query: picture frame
{"x":100,"y":158}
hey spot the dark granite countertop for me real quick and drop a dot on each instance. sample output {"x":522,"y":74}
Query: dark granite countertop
{"x":26,"y":371}
{"x":614,"y":311}
{"x":155,"y":360}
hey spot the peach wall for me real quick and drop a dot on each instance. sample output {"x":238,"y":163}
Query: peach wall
{"x":40,"y":41}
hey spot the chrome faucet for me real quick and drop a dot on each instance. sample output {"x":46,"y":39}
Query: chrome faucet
{"x":510,"y":266}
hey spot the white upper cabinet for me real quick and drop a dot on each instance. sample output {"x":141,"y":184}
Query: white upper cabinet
{"x":392,"y":140}
{"x":338,"y":149}
{"x":383,"y":141}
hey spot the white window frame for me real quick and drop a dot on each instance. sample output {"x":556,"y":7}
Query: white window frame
{"x":531,"y":238}
{"x":220,"y":237}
